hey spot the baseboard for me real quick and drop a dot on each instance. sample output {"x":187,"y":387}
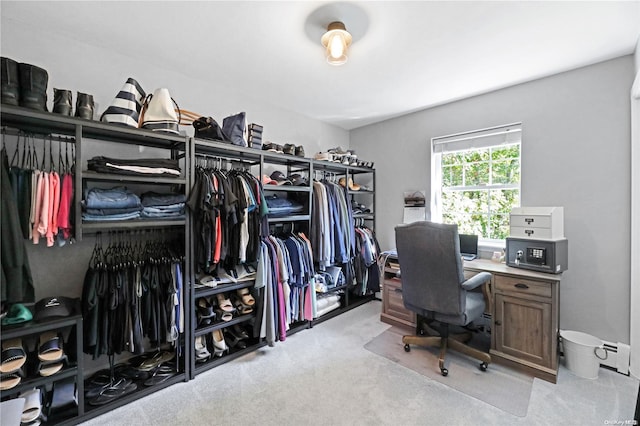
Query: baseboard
{"x":618,"y":355}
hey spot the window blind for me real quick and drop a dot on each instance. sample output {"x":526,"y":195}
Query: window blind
{"x":484,"y":138}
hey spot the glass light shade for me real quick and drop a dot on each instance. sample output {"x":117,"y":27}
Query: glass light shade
{"x":336,"y":41}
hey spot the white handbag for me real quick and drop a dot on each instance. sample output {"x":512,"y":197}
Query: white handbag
{"x":160,"y":112}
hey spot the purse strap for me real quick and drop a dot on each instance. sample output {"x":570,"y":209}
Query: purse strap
{"x":187,"y":117}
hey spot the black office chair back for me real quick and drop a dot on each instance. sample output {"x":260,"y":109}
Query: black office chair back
{"x":431,"y":268}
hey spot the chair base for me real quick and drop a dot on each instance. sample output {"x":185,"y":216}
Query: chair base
{"x":454,"y":341}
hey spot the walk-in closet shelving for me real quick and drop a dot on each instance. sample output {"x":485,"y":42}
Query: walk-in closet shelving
{"x":335,"y":171}
{"x":89,"y":137}
{"x":204,"y":155}
{"x":81,"y":133}
{"x":70,"y":329}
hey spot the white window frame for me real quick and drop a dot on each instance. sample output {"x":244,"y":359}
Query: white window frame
{"x":508,"y":134}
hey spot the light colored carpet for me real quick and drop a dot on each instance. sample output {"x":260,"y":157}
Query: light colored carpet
{"x":501,"y":387}
{"x":324,"y":376}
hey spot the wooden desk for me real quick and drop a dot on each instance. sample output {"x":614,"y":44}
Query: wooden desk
{"x":524,"y":314}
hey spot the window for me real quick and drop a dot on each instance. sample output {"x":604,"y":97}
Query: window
{"x":476,"y":180}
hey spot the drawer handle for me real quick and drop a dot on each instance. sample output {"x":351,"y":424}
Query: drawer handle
{"x":397,"y":290}
{"x":520,"y":285}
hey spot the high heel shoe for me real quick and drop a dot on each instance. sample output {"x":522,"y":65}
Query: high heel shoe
{"x":219,"y":344}
{"x":206,"y":314}
{"x":235,"y":341}
{"x":224,"y":303}
{"x":245,"y":295}
{"x":202,"y":353}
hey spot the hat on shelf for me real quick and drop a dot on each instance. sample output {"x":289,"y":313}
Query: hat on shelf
{"x":280,"y":178}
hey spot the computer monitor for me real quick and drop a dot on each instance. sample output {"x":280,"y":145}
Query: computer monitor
{"x":468,"y":246}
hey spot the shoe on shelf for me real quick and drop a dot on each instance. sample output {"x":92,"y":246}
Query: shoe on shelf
{"x":299,"y":151}
{"x":289,"y":149}
{"x":219,"y":345}
{"x":352,"y":186}
{"x":224,"y":303}
{"x":323,"y":156}
{"x":338,"y":150}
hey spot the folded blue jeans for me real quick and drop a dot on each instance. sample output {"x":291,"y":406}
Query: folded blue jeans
{"x":117,"y":197}
{"x":121,"y":216}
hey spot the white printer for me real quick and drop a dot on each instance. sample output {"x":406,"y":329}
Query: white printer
{"x":537,"y":239}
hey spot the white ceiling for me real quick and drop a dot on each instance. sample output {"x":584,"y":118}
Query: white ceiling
{"x":406,"y":56}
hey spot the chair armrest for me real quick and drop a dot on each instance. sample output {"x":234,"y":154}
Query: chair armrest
{"x":476,"y":280}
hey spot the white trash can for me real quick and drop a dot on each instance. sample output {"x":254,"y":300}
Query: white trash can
{"x":582,"y":353}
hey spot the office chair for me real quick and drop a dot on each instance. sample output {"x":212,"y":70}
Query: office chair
{"x":434,"y":287}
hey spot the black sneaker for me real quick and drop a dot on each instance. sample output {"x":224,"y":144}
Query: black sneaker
{"x":299,"y":151}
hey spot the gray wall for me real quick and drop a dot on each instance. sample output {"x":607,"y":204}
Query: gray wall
{"x":575,"y":154}
{"x":91,"y":69}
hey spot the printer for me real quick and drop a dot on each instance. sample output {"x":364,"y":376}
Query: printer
{"x":536,"y":239}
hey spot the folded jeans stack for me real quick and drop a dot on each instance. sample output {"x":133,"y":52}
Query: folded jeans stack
{"x":162,"y":206}
{"x":136,"y":167}
{"x":117,"y":203}
{"x":282,"y":206}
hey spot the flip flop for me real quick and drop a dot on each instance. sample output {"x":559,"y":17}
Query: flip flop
{"x":50,"y":348}
{"x":13,"y":355}
{"x":157,"y":359}
{"x":119,"y":389}
{"x":32,"y":405}
{"x":160,"y":375}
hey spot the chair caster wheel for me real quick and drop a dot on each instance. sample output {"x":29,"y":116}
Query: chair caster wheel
{"x":407,"y":348}
{"x":444,"y":372}
{"x":483,"y":366}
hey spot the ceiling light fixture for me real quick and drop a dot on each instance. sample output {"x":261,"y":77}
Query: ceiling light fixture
{"x":336,"y":41}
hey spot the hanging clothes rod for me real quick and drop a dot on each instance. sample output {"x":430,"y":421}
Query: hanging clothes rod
{"x":38,"y":136}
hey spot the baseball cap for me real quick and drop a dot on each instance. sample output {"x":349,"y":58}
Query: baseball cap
{"x":298,"y":180}
{"x":280,"y":178}
{"x":266,"y":180}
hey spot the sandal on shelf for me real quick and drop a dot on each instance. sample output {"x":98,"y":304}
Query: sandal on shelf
{"x":13,"y":355}
{"x":202,"y":353}
{"x":49,"y":368}
{"x":119,"y":389}
{"x":63,"y":397}
{"x":208,"y":281}
{"x":224,"y":303}
{"x":242,"y":309}
{"x":234,"y":341}
{"x":219,"y":345}
{"x":157,"y":359}
{"x":11,"y":380}
{"x":247,"y":298}
{"x":50,"y":348}
{"x":206,"y":314}
{"x":160,"y":375}
{"x":132,"y":373}
{"x":224,"y":316}
{"x":32,"y":405}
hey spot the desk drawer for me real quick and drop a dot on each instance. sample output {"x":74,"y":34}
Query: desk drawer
{"x":521,"y":286}
{"x":395,"y":304}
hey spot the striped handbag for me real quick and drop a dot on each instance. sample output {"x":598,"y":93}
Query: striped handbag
{"x":125,"y":108}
